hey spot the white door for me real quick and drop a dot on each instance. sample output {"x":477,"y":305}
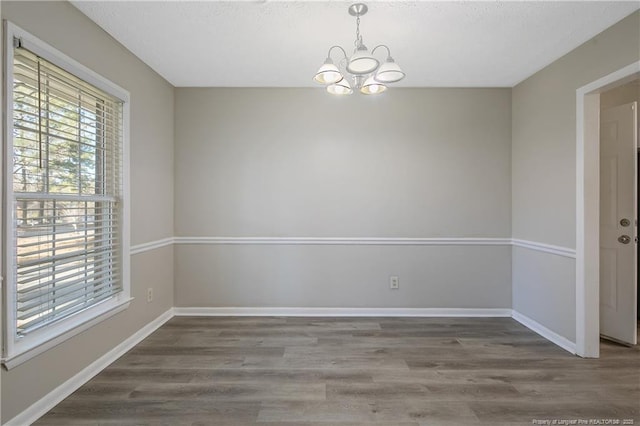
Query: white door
{"x":618,"y":269}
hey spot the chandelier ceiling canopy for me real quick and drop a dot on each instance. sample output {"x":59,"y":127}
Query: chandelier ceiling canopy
{"x":361,"y":70}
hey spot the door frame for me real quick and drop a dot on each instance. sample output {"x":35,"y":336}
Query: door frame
{"x":588,"y":207}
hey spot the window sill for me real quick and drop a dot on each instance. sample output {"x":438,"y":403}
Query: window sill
{"x":19,"y":358}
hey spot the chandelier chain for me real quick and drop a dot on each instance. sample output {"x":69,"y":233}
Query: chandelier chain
{"x":358,"y":39}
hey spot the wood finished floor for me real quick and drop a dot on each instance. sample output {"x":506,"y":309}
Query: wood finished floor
{"x":353,"y":371}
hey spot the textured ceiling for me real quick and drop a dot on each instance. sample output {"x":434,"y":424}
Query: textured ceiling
{"x":281,"y":44}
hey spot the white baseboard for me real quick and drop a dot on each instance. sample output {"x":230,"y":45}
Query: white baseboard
{"x":344,"y":312}
{"x":552,"y":336}
{"x":41,"y":407}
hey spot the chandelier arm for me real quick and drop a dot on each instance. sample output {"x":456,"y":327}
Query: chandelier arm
{"x":338,"y":47}
{"x":381,"y":45}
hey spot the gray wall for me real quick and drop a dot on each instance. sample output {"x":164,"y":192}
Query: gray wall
{"x":66,"y":29}
{"x":302,"y":163}
{"x":544,"y":171}
{"x":343,"y":276}
{"x":621,"y":95}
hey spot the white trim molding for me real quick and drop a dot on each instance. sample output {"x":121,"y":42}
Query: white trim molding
{"x":379,"y":241}
{"x":341,"y":312}
{"x":345,"y":241}
{"x":543,"y":331}
{"x":152,"y":245}
{"x":19,"y":347}
{"x":22,"y":357}
{"x":42,"y":406}
{"x":545,"y":248}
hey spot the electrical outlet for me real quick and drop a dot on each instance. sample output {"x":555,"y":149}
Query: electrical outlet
{"x":149,"y":295}
{"x":394,"y":283}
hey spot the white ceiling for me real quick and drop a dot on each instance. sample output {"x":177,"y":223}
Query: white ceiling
{"x":282,"y":44}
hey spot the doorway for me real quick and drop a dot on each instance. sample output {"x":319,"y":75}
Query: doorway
{"x":588,"y":207}
{"x":618,"y":213}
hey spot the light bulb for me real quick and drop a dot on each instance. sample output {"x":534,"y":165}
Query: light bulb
{"x":372,"y":87}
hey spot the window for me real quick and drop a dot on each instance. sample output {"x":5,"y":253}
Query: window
{"x":65,"y":222}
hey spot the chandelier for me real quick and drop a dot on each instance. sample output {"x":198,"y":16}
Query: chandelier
{"x":362,"y":70}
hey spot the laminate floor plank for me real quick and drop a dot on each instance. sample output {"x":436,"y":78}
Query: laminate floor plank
{"x":338,"y":412}
{"x":289,"y":375}
{"x":585,"y":378}
{"x":263,"y":342}
{"x":375,"y":392}
{"x":143,"y":375}
{"x":518,"y":411}
{"x":178,"y":361}
{"x":150,"y":412}
{"x":231,"y":392}
{"x":304,"y":423}
{"x":387,"y":342}
{"x":229,"y":371}
{"x":213,"y":351}
{"x":405,"y":353}
{"x":335,"y":360}
{"x":558,"y":392}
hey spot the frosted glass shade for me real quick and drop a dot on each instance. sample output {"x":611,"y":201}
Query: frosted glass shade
{"x":372,"y":87}
{"x":342,"y":87}
{"x":361,"y":62}
{"x":328,"y":73}
{"x":389,"y":72}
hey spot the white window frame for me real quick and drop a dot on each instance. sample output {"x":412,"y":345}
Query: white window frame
{"x":18,"y":350}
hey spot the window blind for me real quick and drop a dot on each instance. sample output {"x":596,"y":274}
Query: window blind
{"x":67,"y":187}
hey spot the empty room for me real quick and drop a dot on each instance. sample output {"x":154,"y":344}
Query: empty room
{"x":319,"y":213}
